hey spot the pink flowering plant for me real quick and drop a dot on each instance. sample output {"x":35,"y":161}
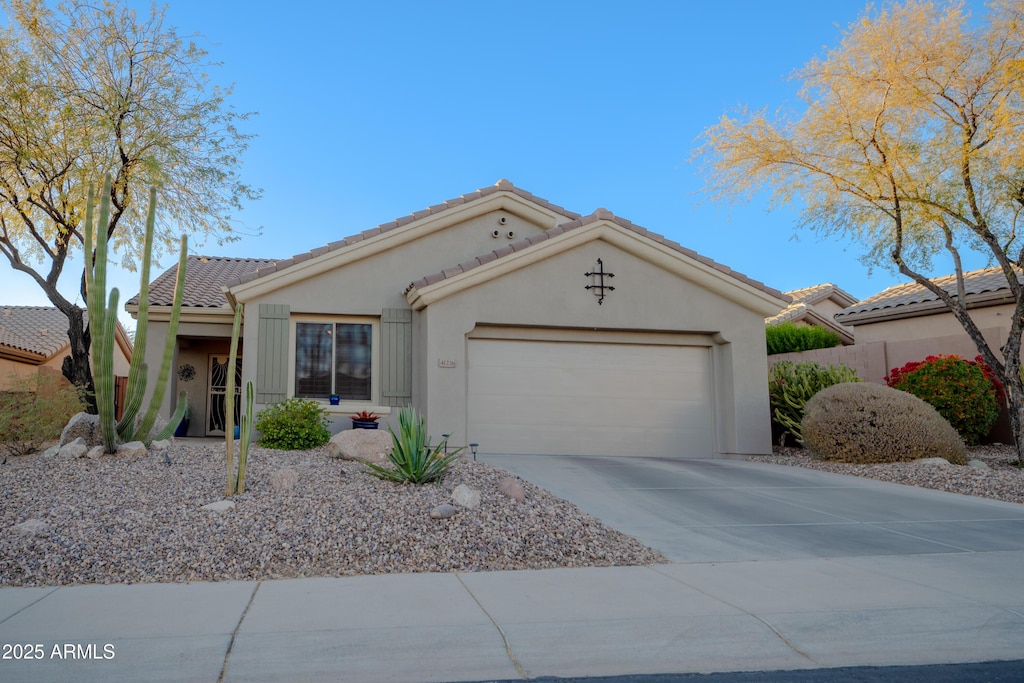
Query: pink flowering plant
{"x":966,"y":393}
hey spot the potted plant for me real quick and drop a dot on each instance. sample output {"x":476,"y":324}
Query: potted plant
{"x":334,"y":399}
{"x":364,"y":420}
{"x":182,"y":428}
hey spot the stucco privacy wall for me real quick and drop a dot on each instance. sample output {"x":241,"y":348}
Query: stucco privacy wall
{"x":648,"y":302}
{"x":873,"y":360}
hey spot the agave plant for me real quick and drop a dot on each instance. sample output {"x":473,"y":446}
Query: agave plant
{"x":412,"y":458}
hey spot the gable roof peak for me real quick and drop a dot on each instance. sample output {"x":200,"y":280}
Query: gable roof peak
{"x":505,"y":184}
{"x":603,"y":214}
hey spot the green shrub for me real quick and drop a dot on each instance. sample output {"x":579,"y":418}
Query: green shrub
{"x":412,"y":459}
{"x":959,"y":389}
{"x":34,"y":410}
{"x":871,"y":423}
{"x":790,"y":337}
{"x":293,"y":424}
{"x":791,"y":385}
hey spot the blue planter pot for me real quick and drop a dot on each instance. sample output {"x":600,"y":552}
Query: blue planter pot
{"x":182,"y":429}
{"x":238,"y":432}
{"x":360,"y":424}
{"x":335,"y":400}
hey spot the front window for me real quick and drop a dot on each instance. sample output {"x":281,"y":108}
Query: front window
{"x":333,"y":358}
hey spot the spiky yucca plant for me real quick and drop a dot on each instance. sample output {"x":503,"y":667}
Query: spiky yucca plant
{"x":412,"y":459}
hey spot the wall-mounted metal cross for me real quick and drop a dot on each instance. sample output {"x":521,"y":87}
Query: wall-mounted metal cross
{"x":600,"y":288}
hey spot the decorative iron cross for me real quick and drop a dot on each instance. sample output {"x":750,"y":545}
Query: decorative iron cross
{"x":600,"y":287}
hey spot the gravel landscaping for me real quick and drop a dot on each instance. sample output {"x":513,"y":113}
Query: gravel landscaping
{"x":999,"y":478}
{"x":116,"y":519}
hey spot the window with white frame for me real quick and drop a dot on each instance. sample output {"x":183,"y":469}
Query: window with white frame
{"x":335,"y":358}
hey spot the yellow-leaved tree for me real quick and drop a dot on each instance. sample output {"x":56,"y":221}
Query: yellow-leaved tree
{"x":88,"y":90}
{"x":909,"y":137}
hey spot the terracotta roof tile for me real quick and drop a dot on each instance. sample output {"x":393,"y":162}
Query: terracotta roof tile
{"x":818,"y":293}
{"x":204,"y":277}
{"x":39,"y":330}
{"x":988,"y":284}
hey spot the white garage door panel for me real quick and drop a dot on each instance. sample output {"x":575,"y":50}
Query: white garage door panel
{"x":590,"y":398}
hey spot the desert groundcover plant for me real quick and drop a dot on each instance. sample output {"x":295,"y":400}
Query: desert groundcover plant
{"x":413,"y":460}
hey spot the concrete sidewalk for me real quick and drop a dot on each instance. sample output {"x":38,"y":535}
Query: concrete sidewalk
{"x":701,"y":617}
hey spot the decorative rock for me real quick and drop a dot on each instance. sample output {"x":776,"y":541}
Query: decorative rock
{"x":978,"y":465}
{"x":219,"y":506}
{"x":95,"y":452}
{"x":50,"y":452}
{"x":75,"y":449}
{"x":466,"y":497}
{"x":82,"y":426}
{"x":31,"y":527}
{"x":161,"y":445}
{"x":361,"y":444}
{"x":132,"y":449}
{"x":284,"y":479}
{"x":932,"y":461}
{"x":512,"y":488}
{"x":443,"y":511}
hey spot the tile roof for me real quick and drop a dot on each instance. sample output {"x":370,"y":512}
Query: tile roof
{"x":808,"y":295}
{"x":501,"y":186}
{"x":987,"y":286}
{"x":598,"y":215}
{"x":39,"y":330}
{"x":204,"y":277}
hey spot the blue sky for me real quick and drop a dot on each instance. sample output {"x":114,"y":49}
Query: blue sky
{"x":372,"y":110}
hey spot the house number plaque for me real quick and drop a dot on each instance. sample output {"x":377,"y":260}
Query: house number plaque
{"x":443,"y":363}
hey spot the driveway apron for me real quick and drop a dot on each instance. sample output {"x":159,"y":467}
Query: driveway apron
{"x":731,"y":510}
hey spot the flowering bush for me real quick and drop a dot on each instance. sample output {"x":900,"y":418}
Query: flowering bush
{"x":965,"y":393}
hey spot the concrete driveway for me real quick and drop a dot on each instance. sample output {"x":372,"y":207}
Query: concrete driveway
{"x":730,"y":510}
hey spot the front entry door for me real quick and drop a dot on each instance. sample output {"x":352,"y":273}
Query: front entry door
{"x":216,"y":416}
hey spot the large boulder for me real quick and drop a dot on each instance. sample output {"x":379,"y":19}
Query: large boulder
{"x":82,"y":426}
{"x":371,"y":445}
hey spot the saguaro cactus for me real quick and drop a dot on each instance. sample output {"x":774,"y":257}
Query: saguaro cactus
{"x":102,"y":323}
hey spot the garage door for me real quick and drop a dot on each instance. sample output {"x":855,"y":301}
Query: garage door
{"x":584,"y":398}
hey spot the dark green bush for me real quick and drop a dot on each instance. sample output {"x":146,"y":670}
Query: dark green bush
{"x":790,"y":337}
{"x":34,"y":410}
{"x":871,"y":423}
{"x":791,"y":385}
{"x":957,"y":388}
{"x":293,"y":424}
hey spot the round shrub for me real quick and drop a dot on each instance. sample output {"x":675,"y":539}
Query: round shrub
{"x":870,"y":423}
{"x":960,"y":390}
{"x":293,"y":424}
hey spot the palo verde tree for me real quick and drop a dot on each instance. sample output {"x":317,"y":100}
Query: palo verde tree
{"x":90,"y":90}
{"x":910,"y":139}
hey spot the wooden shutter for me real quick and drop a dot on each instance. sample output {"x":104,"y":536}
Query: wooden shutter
{"x":272,"y":362}
{"x":396,"y":356}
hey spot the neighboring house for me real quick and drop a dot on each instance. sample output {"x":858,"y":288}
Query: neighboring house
{"x":34,"y":339}
{"x":914,"y":323}
{"x":506,"y":320}
{"x":817,"y":307}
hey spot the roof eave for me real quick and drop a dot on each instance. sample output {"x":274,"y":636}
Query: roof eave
{"x":378,"y":240}
{"x":723,"y":284}
{"x":925,"y":308}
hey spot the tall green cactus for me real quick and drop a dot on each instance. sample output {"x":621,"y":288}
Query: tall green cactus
{"x":236,"y":480}
{"x":103,"y":320}
{"x":791,"y":386}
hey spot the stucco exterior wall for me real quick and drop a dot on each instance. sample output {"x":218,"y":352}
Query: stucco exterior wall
{"x":551,"y":293}
{"x":941,"y":324}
